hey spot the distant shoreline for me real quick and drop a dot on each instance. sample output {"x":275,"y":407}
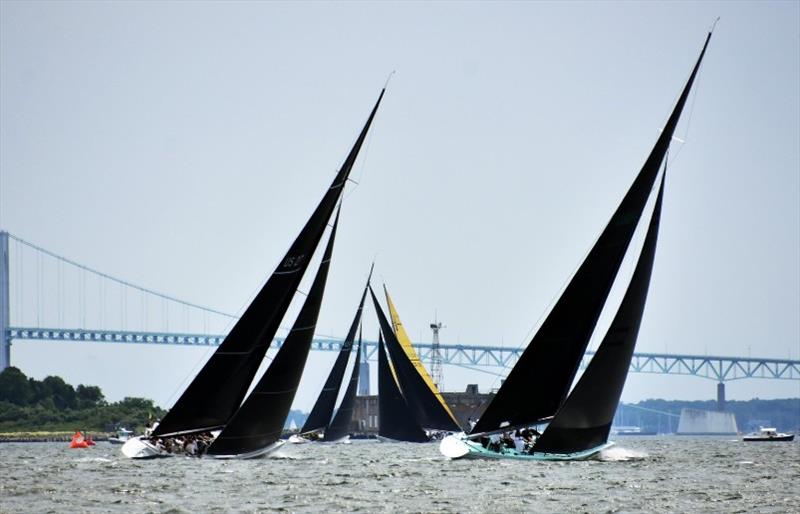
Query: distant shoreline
{"x":47,"y":437}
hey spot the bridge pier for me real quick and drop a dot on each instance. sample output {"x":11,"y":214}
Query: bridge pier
{"x":5,"y":305}
{"x":721,"y":396}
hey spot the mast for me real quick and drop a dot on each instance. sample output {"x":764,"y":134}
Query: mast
{"x":340,"y":424}
{"x":395,"y":418}
{"x":218,"y":389}
{"x":259,"y":421}
{"x":584,"y":421}
{"x":422,"y":400}
{"x":537,"y":385}
{"x":322,"y":411}
{"x":436,"y":356}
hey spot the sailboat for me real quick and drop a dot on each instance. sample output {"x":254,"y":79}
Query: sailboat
{"x":536,"y":390}
{"x":405,"y":343}
{"x":339,"y":427}
{"x":422,"y":397}
{"x":319,"y":424}
{"x":396,"y":419}
{"x":214,"y":397}
{"x":255,"y":428}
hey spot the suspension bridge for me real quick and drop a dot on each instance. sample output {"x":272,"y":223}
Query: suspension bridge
{"x":51,"y":292}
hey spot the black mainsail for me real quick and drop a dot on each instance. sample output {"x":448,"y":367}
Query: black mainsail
{"x":259,"y":421}
{"x":396,"y":420}
{"x":340,"y":424}
{"x":321,"y":413}
{"x":584,"y":421}
{"x":429,"y":412}
{"x":540,"y":380}
{"x":218,"y":389}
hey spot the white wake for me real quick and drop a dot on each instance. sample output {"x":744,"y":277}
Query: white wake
{"x":619,"y":454}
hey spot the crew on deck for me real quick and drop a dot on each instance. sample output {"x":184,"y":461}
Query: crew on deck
{"x":193,"y":445}
{"x":521,"y":442}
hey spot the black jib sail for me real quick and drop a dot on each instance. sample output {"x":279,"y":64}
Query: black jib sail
{"x":340,"y":424}
{"x":322,"y":411}
{"x":584,"y":421}
{"x":537,"y":385}
{"x":429,"y":412}
{"x":259,"y":421}
{"x":395,"y":419}
{"x":218,"y":389}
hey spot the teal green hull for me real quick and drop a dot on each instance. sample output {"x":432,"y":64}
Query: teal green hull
{"x":476,"y":451}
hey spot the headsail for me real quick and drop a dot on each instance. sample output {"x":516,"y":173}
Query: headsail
{"x":218,"y":389}
{"x":537,"y":385}
{"x":322,"y":411}
{"x":259,"y":421}
{"x":340,"y":424}
{"x":584,"y":421}
{"x":429,"y":412}
{"x":395,"y":417}
{"x":411,"y":353}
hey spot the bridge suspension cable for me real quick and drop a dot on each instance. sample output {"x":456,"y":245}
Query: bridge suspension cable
{"x":115,"y":279}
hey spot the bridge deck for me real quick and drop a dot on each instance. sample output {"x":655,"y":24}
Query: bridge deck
{"x":718,"y":368}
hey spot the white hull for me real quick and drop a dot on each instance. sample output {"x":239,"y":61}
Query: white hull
{"x":139,"y":448}
{"x":774,"y":438}
{"x":457,"y":447}
{"x":297,"y":439}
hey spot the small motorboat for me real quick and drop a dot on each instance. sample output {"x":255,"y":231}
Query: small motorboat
{"x":767,"y":434}
{"x":122,"y":436}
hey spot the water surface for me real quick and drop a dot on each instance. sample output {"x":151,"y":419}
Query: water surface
{"x":667,"y":474}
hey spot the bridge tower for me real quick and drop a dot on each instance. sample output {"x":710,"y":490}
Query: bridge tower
{"x":363,"y":375}
{"x":5,"y":305}
{"x":436,"y":356}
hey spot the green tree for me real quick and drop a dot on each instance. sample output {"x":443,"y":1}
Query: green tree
{"x":62,"y":393}
{"x":14,"y":387}
{"x":89,"y":396}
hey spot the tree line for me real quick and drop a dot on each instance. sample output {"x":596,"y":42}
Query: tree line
{"x":27,"y":404}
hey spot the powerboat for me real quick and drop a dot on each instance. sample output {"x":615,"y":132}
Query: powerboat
{"x":767,"y":434}
{"x":122,"y":436}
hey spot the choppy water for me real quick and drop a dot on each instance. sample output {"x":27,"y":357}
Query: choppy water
{"x":667,"y":474}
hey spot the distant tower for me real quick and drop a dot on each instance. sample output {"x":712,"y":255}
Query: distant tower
{"x":363,"y":376}
{"x":436,"y":356}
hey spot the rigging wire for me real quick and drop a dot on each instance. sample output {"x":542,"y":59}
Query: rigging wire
{"x":694,"y":93}
{"x":18,"y":285}
{"x":38,"y":289}
{"x":365,"y":154}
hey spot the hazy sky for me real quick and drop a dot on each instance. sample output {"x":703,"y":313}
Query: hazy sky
{"x":181,"y":146}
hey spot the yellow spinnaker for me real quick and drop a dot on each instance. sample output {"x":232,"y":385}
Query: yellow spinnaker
{"x":405,"y":342}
